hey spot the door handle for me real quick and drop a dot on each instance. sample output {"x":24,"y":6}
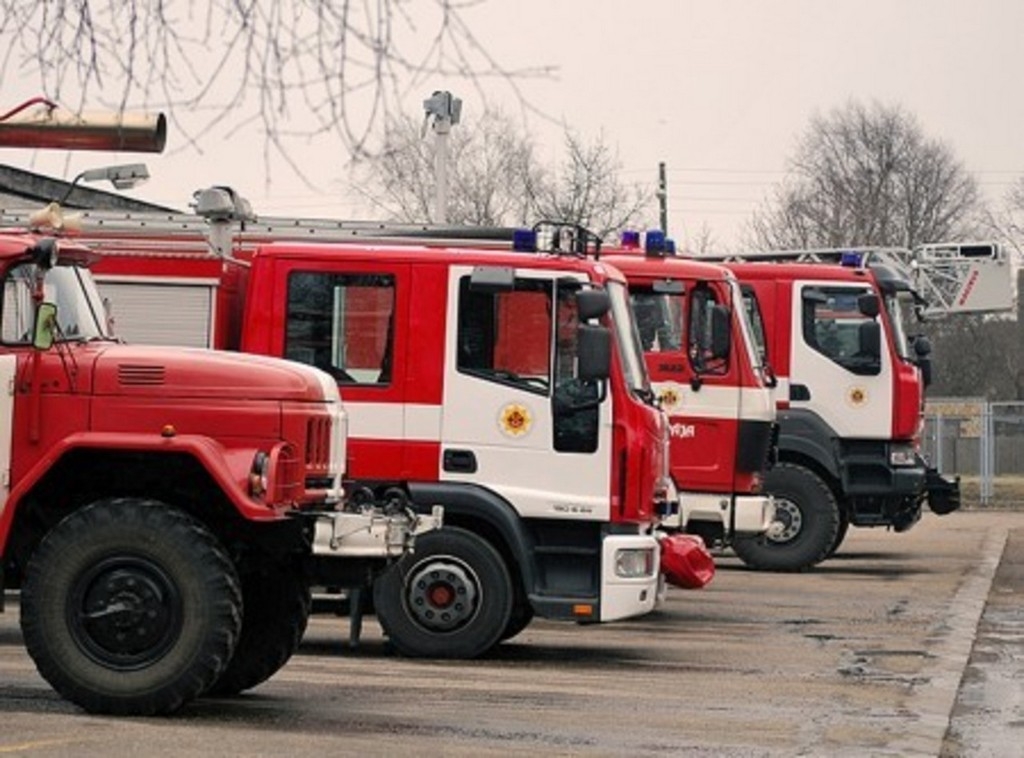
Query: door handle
{"x":459,"y":461}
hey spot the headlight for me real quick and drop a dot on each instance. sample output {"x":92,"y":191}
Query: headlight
{"x":259,"y":475}
{"x":902,"y":456}
{"x":634,"y":562}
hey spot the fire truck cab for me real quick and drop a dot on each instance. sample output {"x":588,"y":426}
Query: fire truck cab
{"x":700,"y":351}
{"x":850,"y":394}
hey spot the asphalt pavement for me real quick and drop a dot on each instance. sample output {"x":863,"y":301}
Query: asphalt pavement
{"x":901,"y":645}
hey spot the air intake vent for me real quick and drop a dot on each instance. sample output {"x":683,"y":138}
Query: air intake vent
{"x":146,"y":376}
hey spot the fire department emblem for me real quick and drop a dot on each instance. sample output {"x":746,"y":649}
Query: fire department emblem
{"x":670,"y":398}
{"x":857,"y":396}
{"x":515,"y":420}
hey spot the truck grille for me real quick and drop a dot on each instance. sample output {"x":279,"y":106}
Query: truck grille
{"x":318,"y":444}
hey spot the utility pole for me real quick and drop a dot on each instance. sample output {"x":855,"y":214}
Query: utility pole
{"x":663,"y":196}
{"x":446,"y":111}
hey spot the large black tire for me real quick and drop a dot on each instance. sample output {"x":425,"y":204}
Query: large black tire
{"x":522,"y":615}
{"x":522,"y":612}
{"x":844,"y":527}
{"x":809,"y":514}
{"x":130,"y":607}
{"x":450,"y":598}
{"x":276,"y":603}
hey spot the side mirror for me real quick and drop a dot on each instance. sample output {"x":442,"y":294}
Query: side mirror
{"x":925,"y":365}
{"x":869,"y":339}
{"x":45,"y":326}
{"x":922,"y":347}
{"x":923,"y":350}
{"x":592,"y":303}
{"x":721,"y":332}
{"x":868,"y":305}
{"x":594,"y":354}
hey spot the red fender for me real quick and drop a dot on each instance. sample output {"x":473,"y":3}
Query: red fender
{"x":685,"y":561}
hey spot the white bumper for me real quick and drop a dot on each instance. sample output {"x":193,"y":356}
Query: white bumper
{"x":740,"y":514}
{"x":626,"y":597}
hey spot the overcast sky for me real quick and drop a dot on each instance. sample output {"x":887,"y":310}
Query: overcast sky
{"x":719,"y":90}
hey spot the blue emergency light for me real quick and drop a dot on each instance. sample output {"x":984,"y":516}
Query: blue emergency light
{"x":631,"y":240}
{"x":655,"y":243}
{"x":851,"y":259}
{"x":524,"y":241}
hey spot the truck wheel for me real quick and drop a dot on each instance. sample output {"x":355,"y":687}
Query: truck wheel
{"x":809,"y":518}
{"x":276,"y":605}
{"x":844,"y":527}
{"x":130,"y":607}
{"x":451,"y":598}
{"x":521,"y":617}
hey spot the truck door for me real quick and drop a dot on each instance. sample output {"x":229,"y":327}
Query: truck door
{"x":841,"y":364}
{"x":698,"y":390}
{"x":516,"y":419}
{"x":351,"y":319}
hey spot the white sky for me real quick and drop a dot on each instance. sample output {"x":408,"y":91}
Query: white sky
{"x":719,"y":90}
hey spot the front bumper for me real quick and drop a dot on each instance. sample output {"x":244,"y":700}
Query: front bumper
{"x":753,"y":514}
{"x":942,"y":494}
{"x":627,"y":597}
{"x":734,"y":514}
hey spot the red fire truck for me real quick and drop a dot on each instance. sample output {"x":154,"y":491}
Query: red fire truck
{"x":851,"y":384}
{"x":508,"y":387}
{"x":701,"y":355}
{"x":162,"y":511}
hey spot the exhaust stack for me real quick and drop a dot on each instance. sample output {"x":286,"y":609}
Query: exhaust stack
{"x":124,"y":132}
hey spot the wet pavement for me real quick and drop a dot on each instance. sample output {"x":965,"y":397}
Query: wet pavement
{"x":901,"y":645}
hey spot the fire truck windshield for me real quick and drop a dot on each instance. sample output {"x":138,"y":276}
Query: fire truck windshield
{"x":627,"y":339}
{"x":80,"y":311}
{"x":753,"y":339}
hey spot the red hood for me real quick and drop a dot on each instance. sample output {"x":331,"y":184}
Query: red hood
{"x":197,"y":373}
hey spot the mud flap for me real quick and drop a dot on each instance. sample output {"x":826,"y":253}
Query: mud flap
{"x":685,"y":561}
{"x":943,"y":494}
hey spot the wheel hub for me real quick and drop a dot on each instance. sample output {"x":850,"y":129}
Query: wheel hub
{"x":788,"y":521}
{"x":126,"y":613}
{"x":442,"y":595}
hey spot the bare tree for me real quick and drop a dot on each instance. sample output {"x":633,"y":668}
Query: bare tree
{"x":867,"y":175}
{"x":1007,"y":222}
{"x":496,"y":179}
{"x":703,"y":241}
{"x":492,"y":173}
{"x":293,"y":68}
{"x":587,"y":190}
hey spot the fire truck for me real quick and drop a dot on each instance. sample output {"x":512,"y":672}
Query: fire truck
{"x":508,"y":387}
{"x":710,"y":380}
{"x":163,"y":512}
{"x":851,"y":381}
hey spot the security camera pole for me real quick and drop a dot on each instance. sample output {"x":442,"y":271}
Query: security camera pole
{"x":445,"y":110}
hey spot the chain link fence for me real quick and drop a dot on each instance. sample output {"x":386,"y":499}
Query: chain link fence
{"x":982,"y":443}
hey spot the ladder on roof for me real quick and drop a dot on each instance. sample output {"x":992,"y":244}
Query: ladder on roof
{"x":224,"y":237}
{"x":951,"y":277}
{"x":224,"y":223}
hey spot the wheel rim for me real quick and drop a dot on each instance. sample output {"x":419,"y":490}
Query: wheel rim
{"x":125,"y":613}
{"x":442,"y":594}
{"x":789,"y":520}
